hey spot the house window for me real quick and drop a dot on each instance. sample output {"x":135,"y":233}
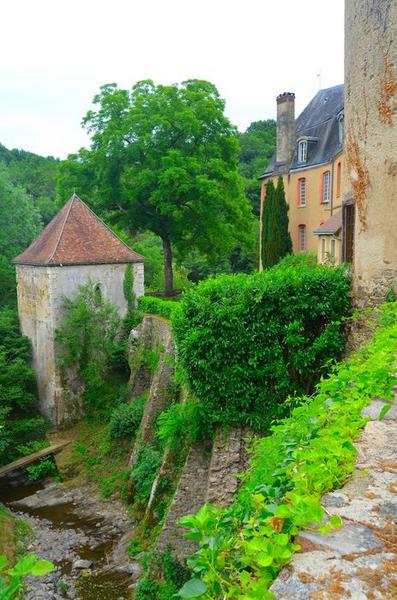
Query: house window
{"x":302,"y":151}
{"x":302,"y":238}
{"x":302,"y":191}
{"x":323,"y":249}
{"x":333,"y":248}
{"x":348,"y":231}
{"x":341,"y":127}
{"x":326,"y":187}
{"x":338,"y":179}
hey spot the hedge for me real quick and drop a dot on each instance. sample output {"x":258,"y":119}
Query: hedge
{"x":247,"y":342}
{"x":158,"y":306}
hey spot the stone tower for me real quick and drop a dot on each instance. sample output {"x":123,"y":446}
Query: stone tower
{"x":371,"y":145}
{"x":75,"y":247}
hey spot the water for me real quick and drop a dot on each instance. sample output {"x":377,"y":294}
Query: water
{"x":81,"y":537}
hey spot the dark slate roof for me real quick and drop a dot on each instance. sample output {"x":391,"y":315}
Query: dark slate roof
{"x":331,"y":225}
{"x":318,"y":120}
{"x":76,"y":236}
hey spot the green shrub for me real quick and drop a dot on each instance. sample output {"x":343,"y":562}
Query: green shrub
{"x":303,"y":259}
{"x":126,"y":419}
{"x":247,"y":342}
{"x":180,"y":422}
{"x":158,"y":306}
{"x":145,"y":470}
{"x":243,"y":548}
{"x":45,"y":467}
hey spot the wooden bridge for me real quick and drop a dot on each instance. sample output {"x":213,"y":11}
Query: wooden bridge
{"x":27,"y":460}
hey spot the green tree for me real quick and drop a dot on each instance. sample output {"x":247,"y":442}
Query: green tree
{"x":165,"y":159}
{"x":257,"y":146}
{"x":275,"y":235}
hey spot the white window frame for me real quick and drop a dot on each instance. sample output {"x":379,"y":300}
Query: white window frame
{"x":302,"y":238}
{"x":326,"y":187}
{"x":302,"y":151}
{"x":302,"y":191}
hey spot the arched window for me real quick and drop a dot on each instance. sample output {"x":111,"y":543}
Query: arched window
{"x":341,"y":127}
{"x":302,"y":151}
{"x":302,"y":191}
{"x":326,"y":191}
{"x":98,"y":294}
{"x":302,"y":243}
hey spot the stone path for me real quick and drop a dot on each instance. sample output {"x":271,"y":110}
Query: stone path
{"x":358,"y":561}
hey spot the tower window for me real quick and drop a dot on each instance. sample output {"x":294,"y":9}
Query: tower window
{"x":341,"y":127}
{"x":338,"y":179}
{"x":302,"y":238}
{"x":302,"y":151}
{"x":302,"y":191}
{"x":326,"y":187}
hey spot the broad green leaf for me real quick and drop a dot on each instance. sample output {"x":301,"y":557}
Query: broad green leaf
{"x":42,"y":567}
{"x":194,"y":588}
{"x":3,"y":562}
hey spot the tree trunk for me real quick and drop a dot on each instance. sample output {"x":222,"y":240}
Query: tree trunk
{"x":168,"y":274}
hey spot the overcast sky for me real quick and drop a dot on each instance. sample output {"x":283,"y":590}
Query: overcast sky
{"x":54,"y":56}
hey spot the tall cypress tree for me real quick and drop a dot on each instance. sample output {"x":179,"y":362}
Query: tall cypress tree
{"x":276,"y":238}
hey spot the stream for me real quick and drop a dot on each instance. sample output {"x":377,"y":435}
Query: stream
{"x":85,"y":536}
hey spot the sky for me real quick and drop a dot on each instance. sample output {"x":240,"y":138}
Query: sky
{"x":55,"y":55}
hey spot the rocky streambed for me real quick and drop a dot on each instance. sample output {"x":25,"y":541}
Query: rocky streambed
{"x":84,"y":535}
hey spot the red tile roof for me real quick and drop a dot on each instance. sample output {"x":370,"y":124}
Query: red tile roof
{"x":76,"y":236}
{"x":331,"y":226}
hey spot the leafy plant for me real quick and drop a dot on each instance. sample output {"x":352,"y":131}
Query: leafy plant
{"x":180,"y":422}
{"x":158,"y":306}
{"x":247,"y":342}
{"x":144,"y":472}
{"x":242,"y":549}
{"x":45,"y":467}
{"x":126,"y":419}
{"x":11,"y":581}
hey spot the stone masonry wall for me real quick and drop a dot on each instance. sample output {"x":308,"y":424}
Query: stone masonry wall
{"x":371,"y":143}
{"x":41,"y":292}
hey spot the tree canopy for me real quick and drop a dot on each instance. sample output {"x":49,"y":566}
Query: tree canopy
{"x":164,"y":159}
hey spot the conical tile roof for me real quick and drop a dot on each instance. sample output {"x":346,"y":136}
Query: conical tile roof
{"x":76,"y":236}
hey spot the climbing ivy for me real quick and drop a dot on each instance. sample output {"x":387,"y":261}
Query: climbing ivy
{"x":242,"y":549}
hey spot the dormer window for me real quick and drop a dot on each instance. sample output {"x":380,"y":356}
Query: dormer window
{"x":302,"y":151}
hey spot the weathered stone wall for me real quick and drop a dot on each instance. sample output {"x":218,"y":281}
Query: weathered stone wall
{"x":371,"y":143}
{"x":152,"y":335}
{"x":41,"y":292}
{"x":209,"y":475}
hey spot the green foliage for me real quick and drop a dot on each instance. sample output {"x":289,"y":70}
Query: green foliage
{"x":276,"y":238}
{"x":45,"y":467}
{"x":18,"y":400}
{"x":304,"y":259}
{"x":12,"y":580}
{"x":257,"y":146}
{"x":168,"y":156}
{"x":126,"y":419}
{"x":247,"y":342}
{"x":89,"y":343}
{"x":145,"y":470}
{"x":180,"y":422}
{"x":158,"y":306}
{"x":170,"y":575}
{"x":20,"y":219}
{"x":243,"y":548}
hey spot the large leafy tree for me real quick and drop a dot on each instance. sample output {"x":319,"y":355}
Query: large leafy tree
{"x":276,"y":238}
{"x":165,"y":159}
{"x":258,"y":144}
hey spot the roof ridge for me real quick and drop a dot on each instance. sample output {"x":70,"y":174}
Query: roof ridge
{"x":116,"y":237}
{"x":62,"y":228}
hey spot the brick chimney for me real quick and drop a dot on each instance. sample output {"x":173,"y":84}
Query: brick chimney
{"x":285,"y":128}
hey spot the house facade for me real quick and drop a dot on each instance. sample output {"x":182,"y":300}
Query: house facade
{"x":74,"y":248}
{"x":309,"y":157}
